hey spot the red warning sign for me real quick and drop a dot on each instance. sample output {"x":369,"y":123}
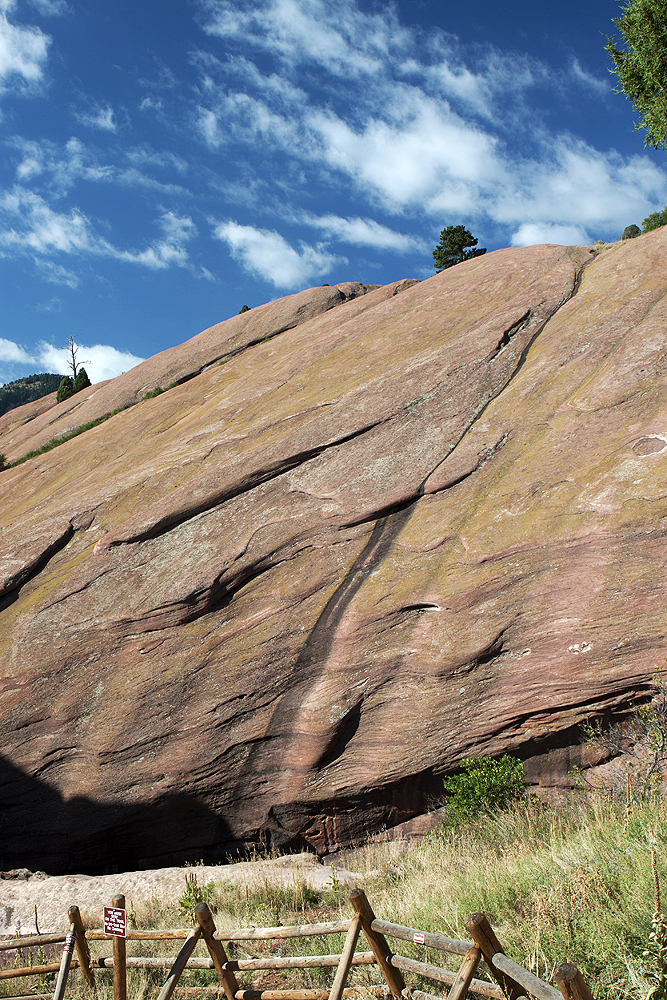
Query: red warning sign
{"x":114,"y":921}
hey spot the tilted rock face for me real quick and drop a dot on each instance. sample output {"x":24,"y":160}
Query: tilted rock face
{"x":275,"y":603}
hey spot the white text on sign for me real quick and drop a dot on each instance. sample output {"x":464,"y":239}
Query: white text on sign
{"x":114,"y":921}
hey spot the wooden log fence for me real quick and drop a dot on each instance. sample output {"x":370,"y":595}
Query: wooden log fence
{"x":508,"y":980}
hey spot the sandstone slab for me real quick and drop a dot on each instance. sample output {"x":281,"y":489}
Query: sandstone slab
{"x":274,"y":604}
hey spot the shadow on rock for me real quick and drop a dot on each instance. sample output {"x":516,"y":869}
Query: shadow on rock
{"x":41,"y":830}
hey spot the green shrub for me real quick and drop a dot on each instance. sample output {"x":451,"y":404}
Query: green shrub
{"x":485,"y":786}
{"x":655,"y":220}
{"x":157,"y":391}
{"x":193,"y":894}
{"x":65,"y":389}
{"x":630,"y":232}
{"x":244,"y":309}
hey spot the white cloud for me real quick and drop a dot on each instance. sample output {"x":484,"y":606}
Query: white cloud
{"x":57,"y":274}
{"x":171,"y":250}
{"x":576,"y":185}
{"x":23,"y":50}
{"x":38,"y":229}
{"x":439,"y":130}
{"x":101,"y":361}
{"x":51,"y":8}
{"x":145,"y":156}
{"x":61,"y":168}
{"x":151,"y":104}
{"x":53,"y":305}
{"x":424,"y":155}
{"x":531,"y":233}
{"x":268,"y":255}
{"x":586,"y":79}
{"x":364,"y":232}
{"x":177,"y":228}
{"x":9,"y":351}
{"x":28,"y":225}
{"x":98,"y":117}
{"x":336,"y":36}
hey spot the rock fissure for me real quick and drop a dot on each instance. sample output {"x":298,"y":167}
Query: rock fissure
{"x":317,"y":647}
{"x":250,"y":482}
{"x":11,"y":586}
{"x":509,"y":333}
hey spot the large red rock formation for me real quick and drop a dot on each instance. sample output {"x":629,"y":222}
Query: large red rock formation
{"x":372,"y":531}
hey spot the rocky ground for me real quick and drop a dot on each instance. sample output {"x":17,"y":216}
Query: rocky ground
{"x":21,"y":891}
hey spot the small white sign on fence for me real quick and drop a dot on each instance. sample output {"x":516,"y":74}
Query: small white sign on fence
{"x":114,"y":921}
{"x":418,"y":938}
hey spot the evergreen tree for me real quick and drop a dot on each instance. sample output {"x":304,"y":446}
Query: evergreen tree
{"x":630,"y":232}
{"x":456,"y":245}
{"x":655,"y":220}
{"x":642,"y":65}
{"x":65,"y":389}
{"x":81,"y":381}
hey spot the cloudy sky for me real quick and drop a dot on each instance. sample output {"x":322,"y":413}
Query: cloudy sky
{"x":163,"y":164}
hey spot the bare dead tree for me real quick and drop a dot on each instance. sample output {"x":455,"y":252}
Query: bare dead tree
{"x":72,"y":361}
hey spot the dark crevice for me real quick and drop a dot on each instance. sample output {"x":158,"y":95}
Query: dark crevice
{"x":230,"y":355}
{"x":491,"y":652}
{"x":485,"y":457}
{"x":519,"y":365}
{"x":511,"y":332}
{"x":12,"y":587}
{"x":419,"y":606}
{"x":596,"y":706}
{"x":388,"y":525}
{"x":341,"y":734}
{"x":246,"y":485}
{"x":381,"y":513}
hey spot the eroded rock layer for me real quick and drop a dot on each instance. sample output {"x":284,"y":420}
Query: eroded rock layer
{"x":372,"y":531}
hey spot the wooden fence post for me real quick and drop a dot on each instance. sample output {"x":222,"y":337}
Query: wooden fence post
{"x":571,"y":983}
{"x":82,"y":949}
{"x":345,"y":963}
{"x":378,"y":943}
{"x":65,"y":963}
{"x":481,"y":932}
{"x":216,"y":950}
{"x":119,"y":953}
{"x":181,"y":961}
{"x":465,"y":974}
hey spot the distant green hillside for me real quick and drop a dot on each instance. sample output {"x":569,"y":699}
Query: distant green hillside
{"x":24,"y":390}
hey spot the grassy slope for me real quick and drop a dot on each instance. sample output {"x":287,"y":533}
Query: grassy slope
{"x":572,"y":883}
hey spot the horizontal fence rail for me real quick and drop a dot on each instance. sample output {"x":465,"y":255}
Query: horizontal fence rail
{"x":34,"y":970}
{"x":438,"y":941}
{"x":97,"y":934}
{"x":241,"y":964}
{"x":441,"y":975}
{"x":33,"y":941}
{"x":291,"y":931}
{"x":295,"y":994}
{"x":530,"y":982}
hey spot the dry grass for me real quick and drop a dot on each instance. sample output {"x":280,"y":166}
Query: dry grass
{"x":567,"y":883}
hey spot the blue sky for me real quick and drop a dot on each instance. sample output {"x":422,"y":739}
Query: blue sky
{"x":163,"y":164}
